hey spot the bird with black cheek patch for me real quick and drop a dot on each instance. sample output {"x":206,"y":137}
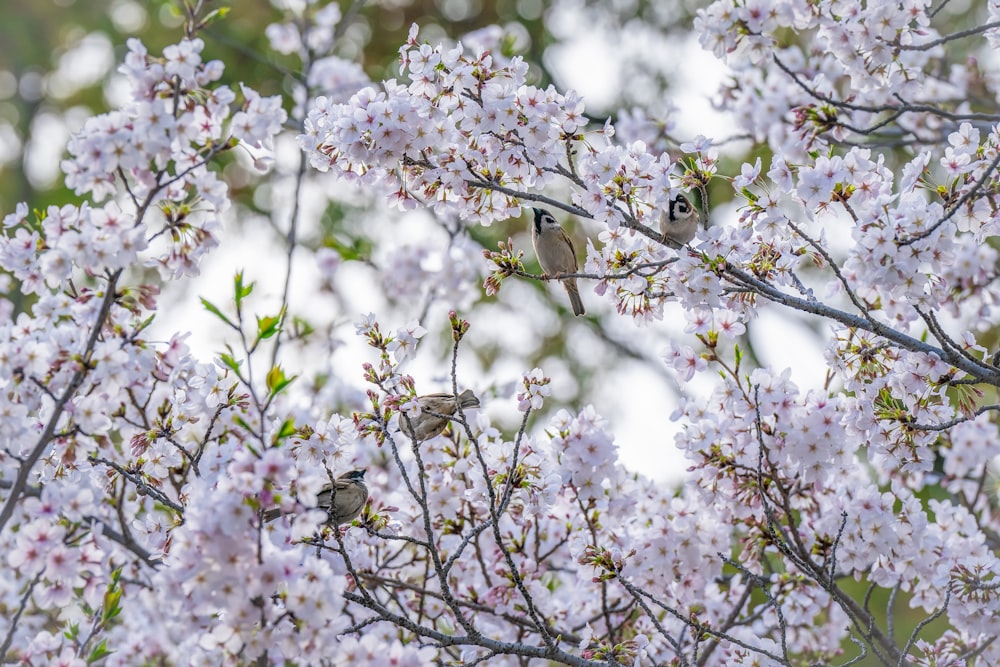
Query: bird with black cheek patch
{"x":679,"y":222}
{"x":342,"y":501}
{"x":556,"y":254}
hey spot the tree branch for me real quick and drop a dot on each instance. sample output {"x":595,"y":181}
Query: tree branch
{"x":86,"y":358}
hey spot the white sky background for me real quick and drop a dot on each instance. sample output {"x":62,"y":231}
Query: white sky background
{"x":635,"y":400}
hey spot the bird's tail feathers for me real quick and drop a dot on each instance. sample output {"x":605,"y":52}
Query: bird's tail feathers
{"x":467,"y":399}
{"x":574,"y":298}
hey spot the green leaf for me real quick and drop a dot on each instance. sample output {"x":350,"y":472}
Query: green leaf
{"x":268,"y":326}
{"x":245,"y":425}
{"x":301,"y":327}
{"x":275,"y":376}
{"x":276,"y":380}
{"x":357,"y":249}
{"x":230,"y":362}
{"x":212,"y":308}
{"x":287,"y":430}
{"x":240,"y":291}
{"x":112,"y":603}
{"x":100,"y":651}
{"x":145,"y":323}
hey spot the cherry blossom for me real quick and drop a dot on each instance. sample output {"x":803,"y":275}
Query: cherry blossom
{"x":139,"y":483}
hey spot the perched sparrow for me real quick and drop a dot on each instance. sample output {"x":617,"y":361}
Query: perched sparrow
{"x":679,"y":223}
{"x":342,"y":501}
{"x":436,"y":411}
{"x":556,"y":254}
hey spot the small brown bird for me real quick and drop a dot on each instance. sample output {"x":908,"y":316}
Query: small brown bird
{"x":679,"y":222}
{"x":556,"y":254}
{"x":436,"y":410}
{"x":342,"y":501}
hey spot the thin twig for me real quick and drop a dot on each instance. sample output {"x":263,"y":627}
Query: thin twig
{"x":948,"y":38}
{"x":17,"y":615}
{"x":141,"y":485}
{"x":969,"y":194}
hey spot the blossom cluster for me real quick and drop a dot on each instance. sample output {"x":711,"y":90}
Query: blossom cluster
{"x":891,"y":255}
{"x":156,"y":148}
{"x":102,"y":426}
{"x":137,"y":478}
{"x":882,"y":59}
{"x":468,"y":135}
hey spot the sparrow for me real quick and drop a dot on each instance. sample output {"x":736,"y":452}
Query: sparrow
{"x":342,"y":501}
{"x":436,"y":411}
{"x":679,"y":222}
{"x":556,"y":254}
